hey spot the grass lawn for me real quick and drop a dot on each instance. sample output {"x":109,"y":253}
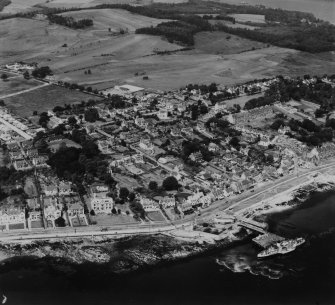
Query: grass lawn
{"x":16,"y":85}
{"x":44,"y":99}
{"x":156,"y":216}
{"x":242,"y":100}
{"x":16,"y":226}
{"x":223,"y":43}
{"x":37,"y":224}
{"x":108,"y":220}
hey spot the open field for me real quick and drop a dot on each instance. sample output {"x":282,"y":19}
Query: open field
{"x":249,"y":18}
{"x":233,"y":25}
{"x":44,"y":99}
{"x":175,"y":71}
{"x":16,"y":85}
{"x":222,"y":43}
{"x":18,"y":6}
{"x":115,"y":19}
{"x":26,"y":39}
{"x":241,"y":100}
{"x":116,"y":59}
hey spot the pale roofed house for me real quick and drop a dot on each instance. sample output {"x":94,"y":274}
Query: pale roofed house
{"x":52,"y":212}
{"x":98,"y":201}
{"x":163,"y":114}
{"x":149,"y":205}
{"x":50,"y":190}
{"x":167,"y":202}
{"x":98,"y":190}
{"x":33,"y":203}
{"x":21,"y":165}
{"x":40,"y":161}
{"x":146,"y":144}
{"x":140,"y":122}
{"x":207,"y":199}
{"x":12,"y":216}
{"x":75,"y":209}
{"x":35,"y":216}
{"x":101,"y":205}
{"x":76,"y":214}
{"x":64,"y":188}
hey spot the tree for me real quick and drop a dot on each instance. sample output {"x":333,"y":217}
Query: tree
{"x":153,"y":185}
{"x":91,"y":115}
{"x":319,"y":113}
{"x":72,"y":120}
{"x":203,"y":109}
{"x":124,"y":192}
{"x":41,"y":72}
{"x":330,"y":123}
{"x":60,"y":222}
{"x":44,"y":119}
{"x":170,"y":183}
{"x":234,"y":142}
{"x":92,"y":213}
{"x":194,"y":112}
{"x":309,"y":126}
{"x":26,"y":75}
{"x":277,"y":124}
{"x":114,"y":211}
{"x":131,"y":197}
{"x":4,"y":76}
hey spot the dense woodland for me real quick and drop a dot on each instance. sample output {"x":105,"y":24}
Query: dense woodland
{"x":70,"y":22}
{"x":4,"y":3}
{"x":181,"y":31}
{"x":303,"y":37}
{"x":290,"y":29}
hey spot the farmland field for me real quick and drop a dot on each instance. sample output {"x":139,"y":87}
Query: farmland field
{"x":117,"y":59}
{"x":115,"y":19}
{"x":14,"y":85}
{"x":241,"y":100}
{"x":222,"y":43}
{"x":17,"y":6}
{"x":249,"y":18}
{"x":44,"y":99}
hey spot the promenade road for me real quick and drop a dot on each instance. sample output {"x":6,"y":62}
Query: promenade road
{"x":236,"y":204}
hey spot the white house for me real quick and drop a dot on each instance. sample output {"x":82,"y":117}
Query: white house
{"x":149,"y":205}
{"x":101,"y":205}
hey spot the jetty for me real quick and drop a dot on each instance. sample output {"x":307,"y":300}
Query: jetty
{"x":265,"y":239}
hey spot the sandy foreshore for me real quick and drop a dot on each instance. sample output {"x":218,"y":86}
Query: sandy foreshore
{"x":292,"y":197}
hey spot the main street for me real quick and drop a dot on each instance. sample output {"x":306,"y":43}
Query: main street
{"x":234,"y":204}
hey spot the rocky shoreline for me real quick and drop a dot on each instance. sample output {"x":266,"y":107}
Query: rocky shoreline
{"x":118,"y":256}
{"x":292,"y":198}
{"x":128,"y":254}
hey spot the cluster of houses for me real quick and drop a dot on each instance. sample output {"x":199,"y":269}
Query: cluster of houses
{"x":24,"y":156}
{"x":144,"y":141}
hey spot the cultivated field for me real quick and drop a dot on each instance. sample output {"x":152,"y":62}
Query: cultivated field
{"x":234,"y":25}
{"x":222,"y":43}
{"x":242,"y":100}
{"x":44,"y":99}
{"x":115,"y":19}
{"x":116,"y":59}
{"x":249,"y":18}
{"x":17,"y":6}
{"x":17,"y":84}
{"x":26,"y":39}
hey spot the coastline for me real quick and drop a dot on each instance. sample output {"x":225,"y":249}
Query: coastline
{"x":129,"y":254}
{"x":292,"y":197}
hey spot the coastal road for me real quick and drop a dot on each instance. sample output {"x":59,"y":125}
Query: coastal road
{"x":235,"y":204}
